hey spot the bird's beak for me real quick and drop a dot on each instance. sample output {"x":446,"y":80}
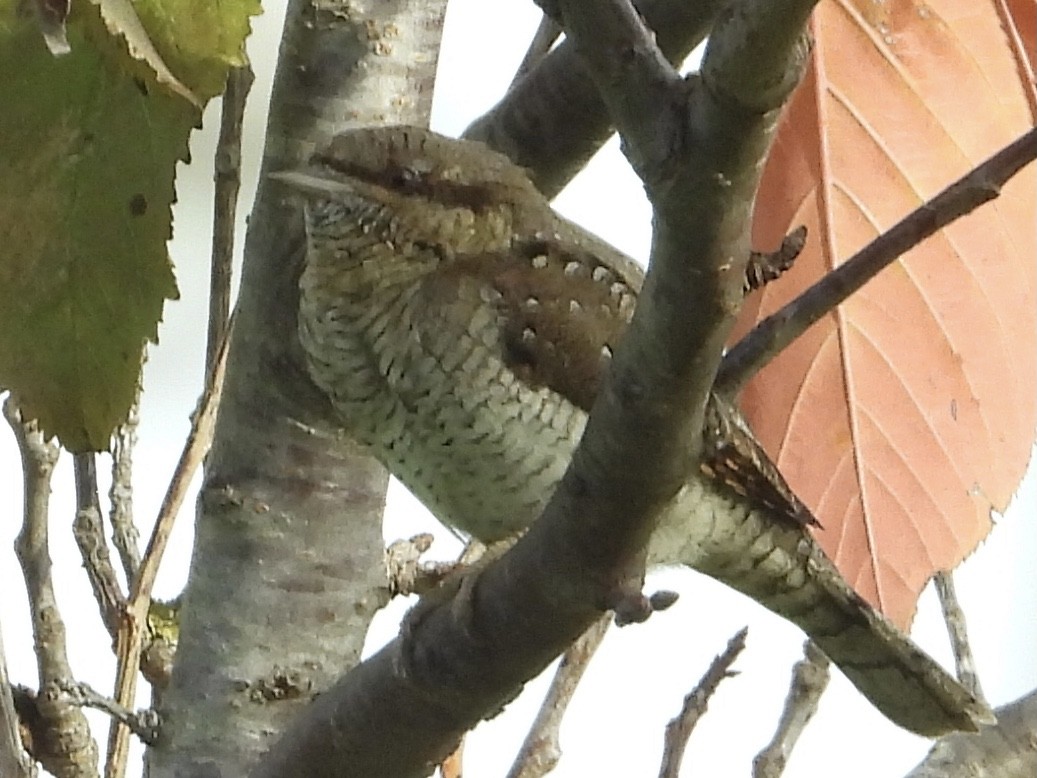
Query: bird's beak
{"x":311,"y":183}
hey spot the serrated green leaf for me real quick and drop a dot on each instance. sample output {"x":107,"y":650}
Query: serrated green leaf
{"x":89,"y":143}
{"x":199,"y":39}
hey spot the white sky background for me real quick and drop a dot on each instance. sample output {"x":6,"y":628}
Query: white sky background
{"x":637,"y":681}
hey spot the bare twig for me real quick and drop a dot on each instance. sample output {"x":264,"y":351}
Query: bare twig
{"x":225,"y":203}
{"x":125,"y":537}
{"x":773,"y":334}
{"x":809,"y":680}
{"x":543,"y":39}
{"x":954,"y":618}
{"x":89,"y":534}
{"x":680,"y":727}
{"x":61,"y":741}
{"x":144,"y":723}
{"x":541,"y":750}
{"x":129,"y":641}
{"x":228,"y":183}
{"x":554,"y":120}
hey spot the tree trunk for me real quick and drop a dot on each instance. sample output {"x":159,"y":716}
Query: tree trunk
{"x":287,"y":569}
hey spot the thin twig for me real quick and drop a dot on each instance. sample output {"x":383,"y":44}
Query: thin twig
{"x":227,"y":165}
{"x":544,"y":38}
{"x":680,"y":727}
{"x":125,"y":537}
{"x":144,"y":723}
{"x":88,"y":531}
{"x":129,"y":642}
{"x":954,"y":618}
{"x":772,"y":335}
{"x":809,"y":681}
{"x":541,"y":749}
{"x":61,"y":741}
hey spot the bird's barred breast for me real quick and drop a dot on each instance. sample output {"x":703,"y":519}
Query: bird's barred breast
{"x":479,"y":448}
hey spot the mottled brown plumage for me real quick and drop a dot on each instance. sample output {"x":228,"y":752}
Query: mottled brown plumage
{"x":461,"y":329}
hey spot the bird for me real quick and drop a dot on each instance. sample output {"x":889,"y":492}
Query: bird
{"x":461,"y":329}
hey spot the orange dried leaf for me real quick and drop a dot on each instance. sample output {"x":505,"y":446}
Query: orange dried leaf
{"x":909,"y":414}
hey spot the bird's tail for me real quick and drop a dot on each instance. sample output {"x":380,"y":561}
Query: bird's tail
{"x":780,"y":566}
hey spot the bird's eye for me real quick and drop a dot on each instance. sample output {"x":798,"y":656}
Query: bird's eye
{"x":406,"y":177}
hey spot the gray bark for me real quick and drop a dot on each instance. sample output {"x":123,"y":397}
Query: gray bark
{"x":287,"y":569}
{"x":1007,"y":750}
{"x":553,"y":120}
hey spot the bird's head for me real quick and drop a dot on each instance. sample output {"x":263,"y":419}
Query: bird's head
{"x":410,"y":186}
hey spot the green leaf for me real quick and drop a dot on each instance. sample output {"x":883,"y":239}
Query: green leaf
{"x":89,"y":143}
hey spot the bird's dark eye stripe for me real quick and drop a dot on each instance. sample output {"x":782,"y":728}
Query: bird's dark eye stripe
{"x":401,"y":178}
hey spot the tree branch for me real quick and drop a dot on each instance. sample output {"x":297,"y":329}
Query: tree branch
{"x":542,"y":749}
{"x":60,"y":733}
{"x":125,"y":537}
{"x":132,"y":628}
{"x":1003,"y":750}
{"x":143,"y":723}
{"x":547,"y":32}
{"x":809,"y":681}
{"x":679,"y":730}
{"x":462,"y":657}
{"x":227,"y":166}
{"x":89,"y":535}
{"x":553,"y":120}
{"x":778,"y":330}
{"x":954,"y":618}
